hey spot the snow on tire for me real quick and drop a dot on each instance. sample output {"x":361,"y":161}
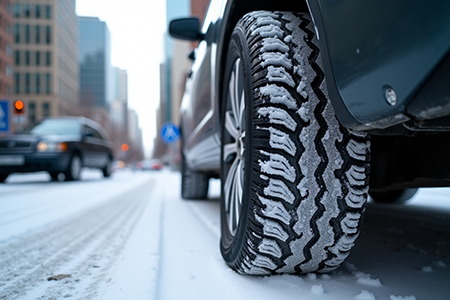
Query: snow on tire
{"x":294,"y":181}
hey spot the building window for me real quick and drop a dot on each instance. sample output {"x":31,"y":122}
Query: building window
{"x":38,"y":83}
{"x":45,"y":109}
{"x":48,"y":12}
{"x":9,"y":8}
{"x":17,"y":10}
{"x":17,"y":83}
{"x":31,"y":112}
{"x":38,"y":34}
{"x":38,"y":11}
{"x":48,"y":83}
{"x":48,"y":57}
{"x":17,"y":33}
{"x":17,"y":58}
{"x":9,"y":50}
{"x":47,"y":34}
{"x":8,"y":70}
{"x":38,"y":58}
{"x":27,"y":34}
{"x":27,"y":58}
{"x":27,"y":83}
{"x":27,"y":10}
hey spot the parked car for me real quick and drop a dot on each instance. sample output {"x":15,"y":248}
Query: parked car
{"x":149,"y":164}
{"x":303,"y":109}
{"x":57,"y":145}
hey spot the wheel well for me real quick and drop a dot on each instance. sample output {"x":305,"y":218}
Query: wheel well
{"x":403,"y":162}
{"x":77,"y":152}
{"x":232,"y":16}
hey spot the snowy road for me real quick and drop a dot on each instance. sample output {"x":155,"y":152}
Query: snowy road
{"x":132,"y":237}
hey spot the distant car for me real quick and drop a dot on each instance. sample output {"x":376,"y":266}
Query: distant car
{"x":118,"y":165}
{"x":57,"y":145}
{"x":152,"y":164}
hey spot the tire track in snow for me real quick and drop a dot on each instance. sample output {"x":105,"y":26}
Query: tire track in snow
{"x":84,"y":246}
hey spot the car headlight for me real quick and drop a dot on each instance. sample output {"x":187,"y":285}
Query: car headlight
{"x":49,"y":147}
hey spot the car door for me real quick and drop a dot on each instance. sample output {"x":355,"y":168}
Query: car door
{"x":199,"y":111}
{"x":92,"y":145}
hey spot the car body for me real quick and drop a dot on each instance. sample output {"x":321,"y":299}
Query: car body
{"x":383,"y":67}
{"x":57,"y":145}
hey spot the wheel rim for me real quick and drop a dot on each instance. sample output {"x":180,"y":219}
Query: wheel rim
{"x":234,"y":148}
{"x":76,"y":167}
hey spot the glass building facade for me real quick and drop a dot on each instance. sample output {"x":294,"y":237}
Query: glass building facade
{"x":94,"y":58}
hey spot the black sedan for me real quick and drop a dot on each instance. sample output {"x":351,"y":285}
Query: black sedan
{"x":57,"y":145}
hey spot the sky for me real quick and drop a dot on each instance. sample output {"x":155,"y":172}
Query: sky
{"x":136,"y":28}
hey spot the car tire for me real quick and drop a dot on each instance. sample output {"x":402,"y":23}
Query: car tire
{"x":107,"y":170}
{"x":294,"y":181}
{"x":194,"y":184}
{"x":395,"y":196}
{"x":74,"y":168}
{"x":3,"y":177}
{"x":54,"y":176}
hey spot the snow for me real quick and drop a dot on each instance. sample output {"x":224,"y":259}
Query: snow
{"x":277,"y":165}
{"x":274,"y":44}
{"x":279,"y":74}
{"x":275,"y":210}
{"x":279,"y":94}
{"x":276,"y":58}
{"x":278,"y":116}
{"x":280,"y":140}
{"x":365,"y":295}
{"x":139,"y":240}
{"x":402,"y":298}
{"x":277,"y":188}
{"x":317,"y":289}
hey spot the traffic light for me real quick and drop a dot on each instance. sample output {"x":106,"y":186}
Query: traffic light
{"x":125,"y":147}
{"x":19,"y":107}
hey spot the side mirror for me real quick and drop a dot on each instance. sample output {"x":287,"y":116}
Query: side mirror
{"x":186,"y":29}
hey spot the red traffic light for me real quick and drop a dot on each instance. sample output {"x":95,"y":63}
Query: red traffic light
{"x":125,"y":147}
{"x":18,"y":106}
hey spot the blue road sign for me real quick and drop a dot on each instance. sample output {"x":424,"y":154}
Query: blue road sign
{"x":169,"y":133}
{"x":4,"y":115}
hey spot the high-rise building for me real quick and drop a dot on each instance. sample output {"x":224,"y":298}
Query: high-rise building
{"x":45,"y":65}
{"x":119,"y":109}
{"x":134,"y":136}
{"x":5,"y":63}
{"x":95,"y":62}
{"x":96,"y":82}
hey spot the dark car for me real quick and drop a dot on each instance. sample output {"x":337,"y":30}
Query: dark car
{"x":303,"y":109}
{"x":57,"y":145}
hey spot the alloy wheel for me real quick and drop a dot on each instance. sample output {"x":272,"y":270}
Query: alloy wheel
{"x":234,"y":149}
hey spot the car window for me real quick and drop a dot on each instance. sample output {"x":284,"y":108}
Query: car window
{"x":54,"y":127}
{"x":94,"y":132}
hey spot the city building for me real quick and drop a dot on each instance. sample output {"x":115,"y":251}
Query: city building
{"x":135,"y":152}
{"x":96,"y":72}
{"x":119,"y":110}
{"x":5,"y":64}
{"x":45,"y":65}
